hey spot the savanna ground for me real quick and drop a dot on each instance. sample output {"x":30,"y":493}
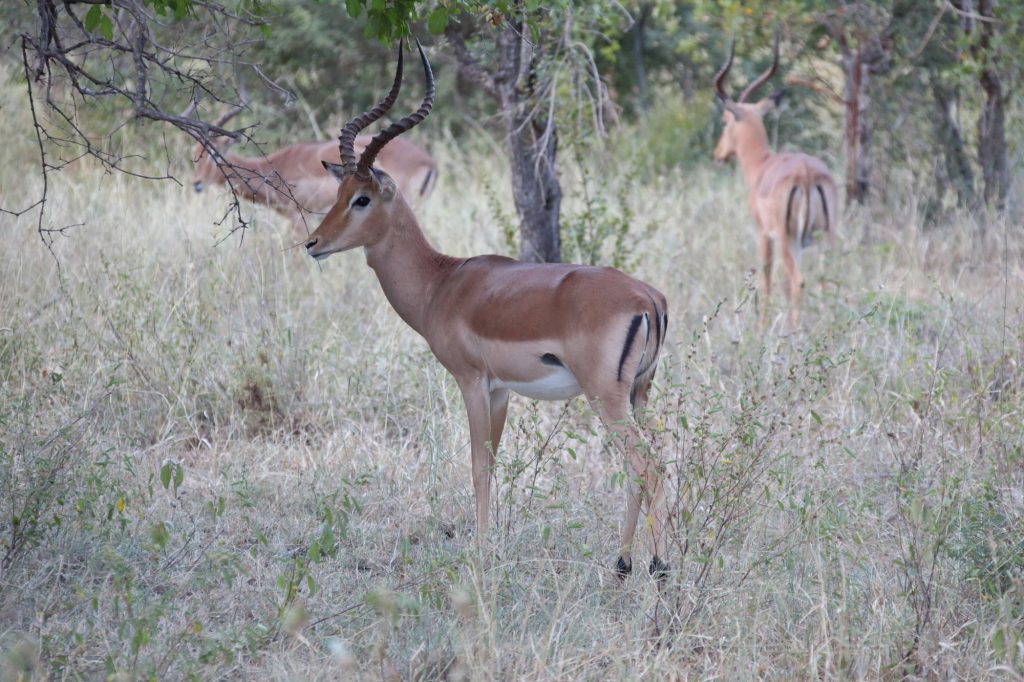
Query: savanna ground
{"x":227,"y":460}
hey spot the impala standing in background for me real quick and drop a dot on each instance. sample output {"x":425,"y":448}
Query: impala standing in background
{"x":293,"y":181}
{"x":791,"y":194}
{"x":549,"y":331}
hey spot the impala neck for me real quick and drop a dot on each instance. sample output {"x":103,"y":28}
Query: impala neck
{"x":408,"y":267}
{"x":753,"y":152}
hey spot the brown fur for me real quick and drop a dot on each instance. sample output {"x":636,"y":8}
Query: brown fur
{"x":770,"y":179}
{"x":293,"y":182}
{"x":491,"y":321}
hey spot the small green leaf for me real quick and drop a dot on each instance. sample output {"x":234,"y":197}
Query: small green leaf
{"x":165,"y":475}
{"x":816,"y":417}
{"x":437,"y":21}
{"x":179,"y":475}
{"x":999,"y":643}
{"x":106,"y":27}
{"x":92,"y":18}
{"x":158,"y":534}
{"x":353,"y":7}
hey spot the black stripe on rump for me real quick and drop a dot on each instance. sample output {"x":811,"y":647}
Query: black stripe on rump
{"x":551,"y":359}
{"x":789,"y":209}
{"x":657,"y":323}
{"x":630,"y":335}
{"x":824,"y":207}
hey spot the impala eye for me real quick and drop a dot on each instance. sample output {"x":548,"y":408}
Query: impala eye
{"x":361,"y":201}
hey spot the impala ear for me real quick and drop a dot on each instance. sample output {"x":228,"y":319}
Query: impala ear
{"x":733,"y":108}
{"x":388,"y":188}
{"x":335,"y":169}
{"x":771,"y":102}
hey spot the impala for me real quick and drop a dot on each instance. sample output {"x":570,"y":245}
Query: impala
{"x":293,"y":181}
{"x":545,"y":331}
{"x":791,"y":195}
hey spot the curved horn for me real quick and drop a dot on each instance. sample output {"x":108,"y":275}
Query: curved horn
{"x":192,"y":104}
{"x":724,"y":71}
{"x":243,"y":102}
{"x":763,"y":78}
{"x":347,"y":139}
{"x":231,"y":113}
{"x":399,"y":127}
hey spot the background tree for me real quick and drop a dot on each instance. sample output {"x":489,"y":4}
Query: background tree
{"x":995,"y":35}
{"x":94,"y":66}
{"x":908,"y":82}
{"x":520,"y":84}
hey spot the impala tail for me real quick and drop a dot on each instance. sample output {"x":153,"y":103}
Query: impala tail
{"x":807,"y":210}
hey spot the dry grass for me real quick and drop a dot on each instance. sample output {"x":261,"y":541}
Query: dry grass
{"x":230,"y":461}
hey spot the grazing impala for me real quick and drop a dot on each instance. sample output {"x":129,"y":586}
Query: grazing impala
{"x":791,"y":194}
{"x":292,"y":180}
{"x":548,"y":332}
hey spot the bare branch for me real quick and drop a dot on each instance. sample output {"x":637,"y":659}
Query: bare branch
{"x":66,"y":65}
{"x":469,"y":65}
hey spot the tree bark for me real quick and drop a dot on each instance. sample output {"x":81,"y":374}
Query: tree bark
{"x":535,"y":186}
{"x":858,"y":129}
{"x":639,"y":72}
{"x":530,"y":137}
{"x":992,"y":120}
{"x":870,"y":56}
{"x":948,"y":137}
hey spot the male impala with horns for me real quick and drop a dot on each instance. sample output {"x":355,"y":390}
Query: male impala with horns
{"x":545,"y":331}
{"x":792,"y":195}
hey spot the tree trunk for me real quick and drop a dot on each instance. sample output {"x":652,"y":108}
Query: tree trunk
{"x":958,"y":171}
{"x":639,"y":73}
{"x":871,"y":55}
{"x":532,"y":145}
{"x":858,"y":133}
{"x":992,"y":120}
{"x":531,"y":138}
{"x":535,"y":187}
{"x":992,"y":141}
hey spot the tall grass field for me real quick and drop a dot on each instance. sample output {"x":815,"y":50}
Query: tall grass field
{"x":220,"y":459}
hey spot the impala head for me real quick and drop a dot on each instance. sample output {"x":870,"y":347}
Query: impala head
{"x":742,"y":121}
{"x":367,"y":196}
{"x":206,"y":171}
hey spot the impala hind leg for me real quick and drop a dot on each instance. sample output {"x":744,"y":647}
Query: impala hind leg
{"x":643,"y":486}
{"x":795,"y":284}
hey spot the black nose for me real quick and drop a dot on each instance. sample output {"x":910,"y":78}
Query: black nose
{"x":197,"y":186}
{"x":310,"y":244}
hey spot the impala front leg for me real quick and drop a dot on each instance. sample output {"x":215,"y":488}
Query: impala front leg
{"x":499,"y":411}
{"x":764,"y":244}
{"x":479,"y":411}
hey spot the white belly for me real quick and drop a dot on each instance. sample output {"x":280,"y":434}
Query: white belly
{"x":559,"y":384}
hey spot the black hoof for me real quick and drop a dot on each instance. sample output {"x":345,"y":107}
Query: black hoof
{"x":622,"y":569}
{"x":658,"y":569}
